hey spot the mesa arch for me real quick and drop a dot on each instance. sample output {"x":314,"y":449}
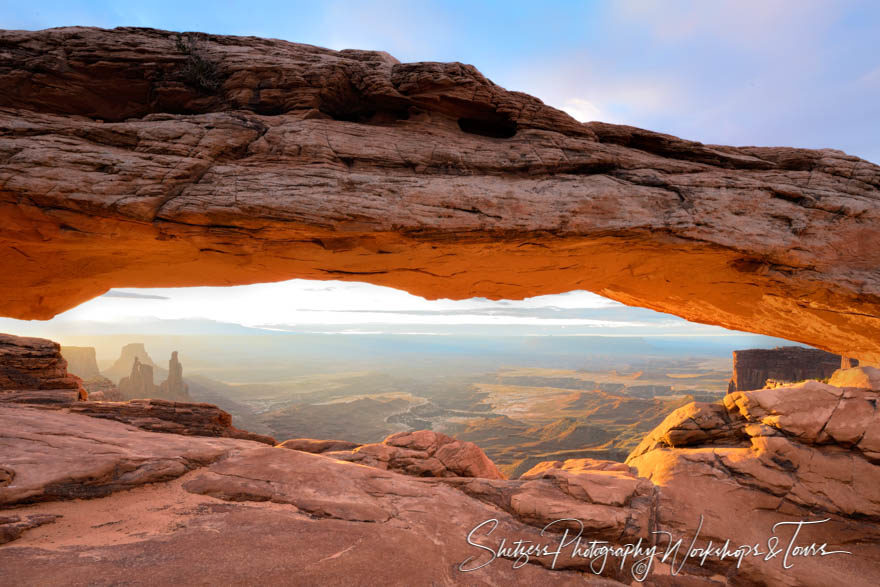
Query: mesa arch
{"x":138,"y":158}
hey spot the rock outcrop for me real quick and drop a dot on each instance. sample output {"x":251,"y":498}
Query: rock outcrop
{"x":174,"y":388}
{"x":81,"y":361}
{"x":294,"y":161}
{"x":710,"y":472}
{"x":422,"y":453}
{"x":122,"y":366}
{"x":33,"y":369}
{"x":788,"y":364}
{"x":808,"y":453}
{"x":139,"y":384}
{"x":156,"y":415}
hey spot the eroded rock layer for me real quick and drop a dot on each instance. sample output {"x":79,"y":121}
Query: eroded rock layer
{"x":790,"y":364}
{"x":137,"y":157}
{"x":34,"y":368}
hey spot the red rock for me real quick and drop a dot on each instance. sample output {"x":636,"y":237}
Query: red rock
{"x":295,"y":161}
{"x":156,"y":415}
{"x":790,"y":364}
{"x":423,"y":453}
{"x":34,"y":368}
{"x":318,"y":446}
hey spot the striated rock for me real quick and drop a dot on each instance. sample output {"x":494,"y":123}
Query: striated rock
{"x":789,"y":364}
{"x":174,"y":388}
{"x":859,"y":377}
{"x":318,"y":446}
{"x":294,"y":161}
{"x":423,"y":453}
{"x":594,"y":481}
{"x":805,"y":452}
{"x":12,"y":527}
{"x":696,"y":424}
{"x":158,"y":415}
{"x":55,"y":455}
{"x":34,"y":369}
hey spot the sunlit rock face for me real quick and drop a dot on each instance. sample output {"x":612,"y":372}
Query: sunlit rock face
{"x":121,"y":167}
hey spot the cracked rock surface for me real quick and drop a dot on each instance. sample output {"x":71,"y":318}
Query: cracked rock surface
{"x":717,"y":472}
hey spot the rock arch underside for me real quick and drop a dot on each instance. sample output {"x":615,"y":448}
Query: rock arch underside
{"x":139,"y":158}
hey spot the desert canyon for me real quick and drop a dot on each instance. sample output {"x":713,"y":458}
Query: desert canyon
{"x":139,"y":157}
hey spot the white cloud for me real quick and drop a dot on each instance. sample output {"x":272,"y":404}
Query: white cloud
{"x":308,"y":302}
{"x":581,"y":110}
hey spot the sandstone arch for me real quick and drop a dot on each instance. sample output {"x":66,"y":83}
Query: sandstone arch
{"x":118,"y":168}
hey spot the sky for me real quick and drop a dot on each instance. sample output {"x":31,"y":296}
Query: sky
{"x":803,"y":73}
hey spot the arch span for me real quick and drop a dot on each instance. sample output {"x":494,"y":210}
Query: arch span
{"x":119,"y":170}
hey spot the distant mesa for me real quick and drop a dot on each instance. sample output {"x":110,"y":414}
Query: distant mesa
{"x":122,"y":367}
{"x":753,"y":368}
{"x":82,"y":362}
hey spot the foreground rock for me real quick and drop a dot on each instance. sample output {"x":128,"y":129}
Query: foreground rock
{"x":277,"y":515}
{"x":294,"y":161}
{"x":155,"y":415}
{"x":745,"y":471}
{"x":805,"y":453}
{"x":33,"y":369}
{"x":49,"y":455}
{"x":423,"y":454}
{"x":752,"y":368}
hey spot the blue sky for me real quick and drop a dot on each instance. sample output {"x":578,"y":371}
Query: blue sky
{"x":803,"y":73}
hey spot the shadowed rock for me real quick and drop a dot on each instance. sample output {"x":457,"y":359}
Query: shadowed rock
{"x":752,"y":368}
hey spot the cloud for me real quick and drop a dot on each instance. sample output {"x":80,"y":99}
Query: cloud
{"x":582,"y":110}
{"x":126,"y":294}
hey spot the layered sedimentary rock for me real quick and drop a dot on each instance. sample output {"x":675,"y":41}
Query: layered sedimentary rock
{"x":422,"y":453}
{"x":157,"y":415}
{"x":709,"y":472}
{"x":33,"y":369}
{"x":789,"y":364}
{"x":137,"y":157}
{"x":81,"y":361}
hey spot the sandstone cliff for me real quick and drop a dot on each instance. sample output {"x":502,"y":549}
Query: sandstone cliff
{"x":34,"y":368}
{"x":120,"y":166}
{"x":752,"y":368}
{"x":81,"y":362}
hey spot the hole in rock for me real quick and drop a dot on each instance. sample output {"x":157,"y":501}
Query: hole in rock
{"x":553,"y":377}
{"x":499,"y":127}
